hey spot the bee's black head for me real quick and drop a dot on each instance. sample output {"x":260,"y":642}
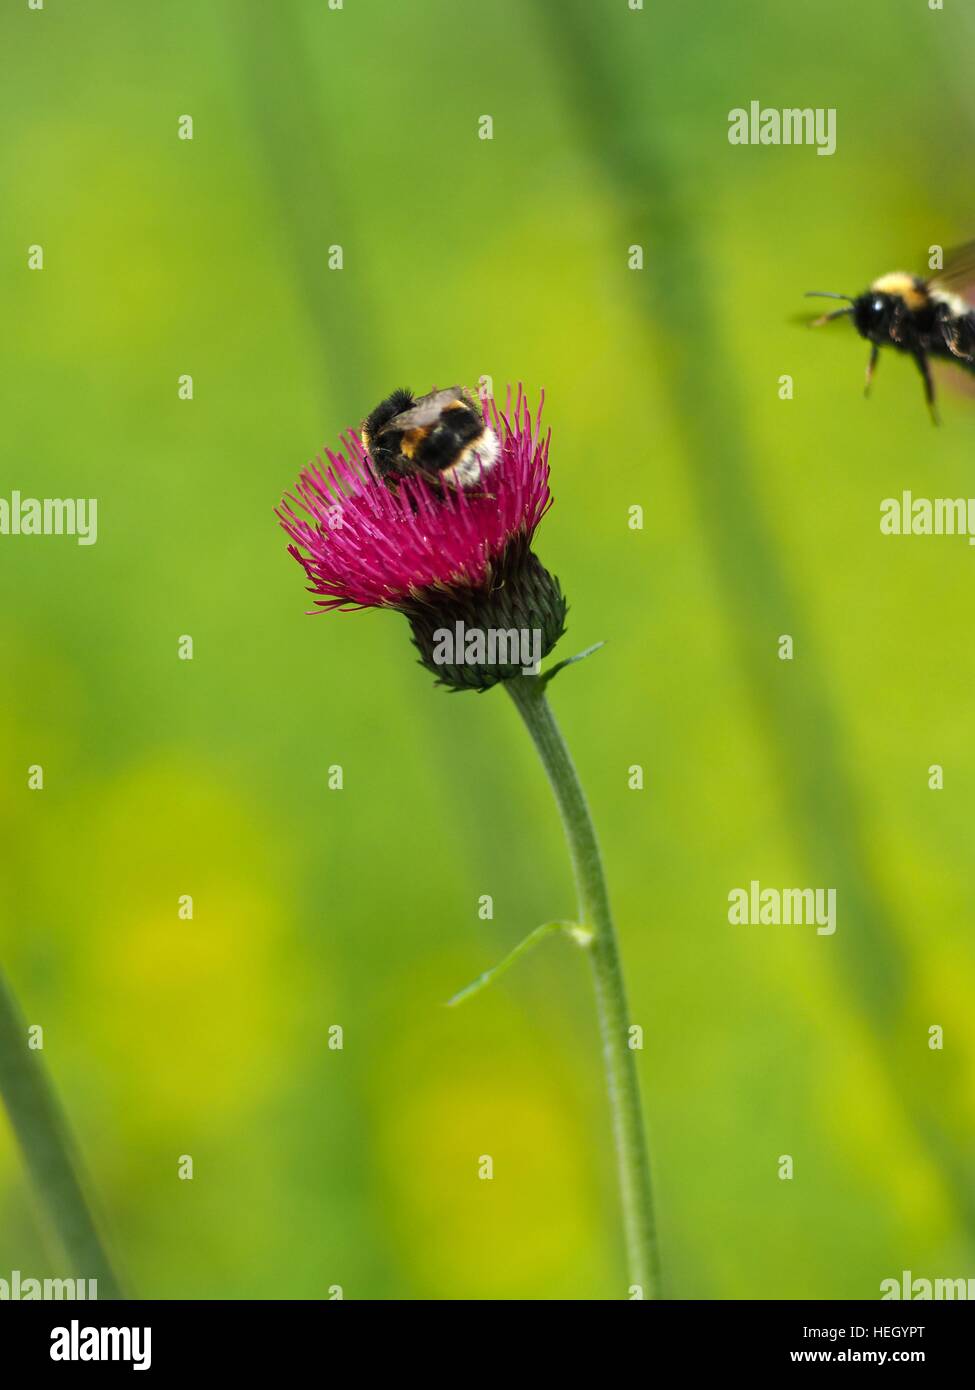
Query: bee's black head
{"x":873,"y":314}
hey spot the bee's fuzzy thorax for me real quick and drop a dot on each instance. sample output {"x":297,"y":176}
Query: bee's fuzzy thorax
{"x":904,"y":286}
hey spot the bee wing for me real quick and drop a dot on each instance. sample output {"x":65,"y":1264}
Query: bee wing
{"x":426,"y":411}
{"x":958,"y":274}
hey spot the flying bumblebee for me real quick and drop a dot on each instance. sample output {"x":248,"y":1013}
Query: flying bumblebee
{"x":925,"y":318}
{"x":441,"y":436}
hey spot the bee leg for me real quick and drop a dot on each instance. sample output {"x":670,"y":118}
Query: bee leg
{"x":953,"y":342}
{"x":871,"y":368}
{"x":923,"y":367}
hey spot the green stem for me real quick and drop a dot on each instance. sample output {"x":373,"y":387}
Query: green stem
{"x":48,"y":1152}
{"x":614,"y":1020}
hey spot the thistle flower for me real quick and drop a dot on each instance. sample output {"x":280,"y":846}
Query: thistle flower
{"x":452,"y":551}
{"x":457,"y":561}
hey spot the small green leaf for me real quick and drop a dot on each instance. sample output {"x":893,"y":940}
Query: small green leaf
{"x":489,"y":976}
{"x":546,"y":676}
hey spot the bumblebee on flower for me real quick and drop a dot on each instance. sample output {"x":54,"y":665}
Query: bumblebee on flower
{"x":431,"y":512}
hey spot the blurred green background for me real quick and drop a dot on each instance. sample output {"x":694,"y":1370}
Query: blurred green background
{"x":358,"y":127}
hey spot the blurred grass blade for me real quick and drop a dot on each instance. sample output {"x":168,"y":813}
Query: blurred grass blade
{"x":48,"y":1150}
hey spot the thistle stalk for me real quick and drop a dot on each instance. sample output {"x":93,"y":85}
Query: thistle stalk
{"x":598,"y":938}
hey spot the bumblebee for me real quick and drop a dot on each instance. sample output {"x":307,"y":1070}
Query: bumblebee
{"x":441,"y":436}
{"x":924,"y":318}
